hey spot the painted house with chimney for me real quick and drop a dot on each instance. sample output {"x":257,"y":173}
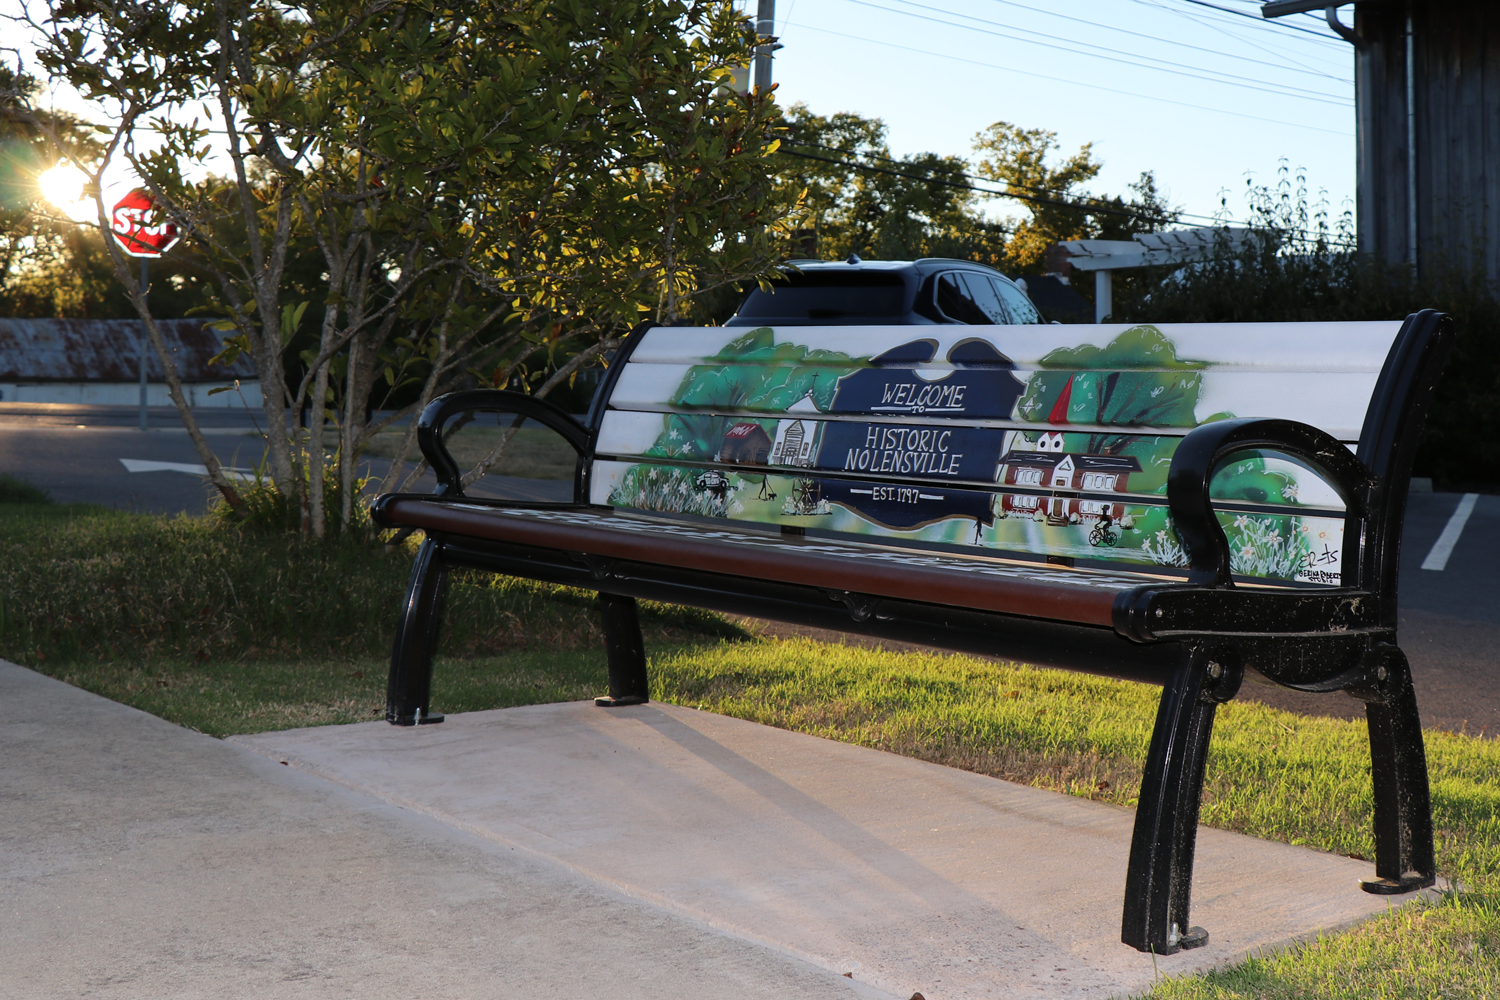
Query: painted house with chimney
{"x":1049,"y":468}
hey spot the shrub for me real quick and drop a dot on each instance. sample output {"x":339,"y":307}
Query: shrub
{"x":13,"y":490}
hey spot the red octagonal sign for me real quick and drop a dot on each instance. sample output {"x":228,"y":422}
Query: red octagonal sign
{"x":141,"y":229}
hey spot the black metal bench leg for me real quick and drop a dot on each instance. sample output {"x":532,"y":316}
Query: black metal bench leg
{"x":1158,"y":885}
{"x":628,"y":684}
{"x":1404,"y":859}
{"x":409,"y":689}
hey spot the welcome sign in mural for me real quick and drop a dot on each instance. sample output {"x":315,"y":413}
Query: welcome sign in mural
{"x":988,"y":438}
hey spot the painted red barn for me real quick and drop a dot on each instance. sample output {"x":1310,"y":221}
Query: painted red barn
{"x":745,"y":444}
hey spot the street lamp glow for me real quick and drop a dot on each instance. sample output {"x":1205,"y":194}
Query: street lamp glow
{"x":63,"y":187}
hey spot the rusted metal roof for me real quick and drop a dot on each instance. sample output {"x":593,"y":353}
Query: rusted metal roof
{"x":104,"y":350}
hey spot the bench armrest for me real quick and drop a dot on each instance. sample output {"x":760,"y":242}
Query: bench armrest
{"x":440,"y":410}
{"x":1205,"y":447}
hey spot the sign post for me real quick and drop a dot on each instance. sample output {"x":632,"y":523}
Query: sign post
{"x":141,"y":230}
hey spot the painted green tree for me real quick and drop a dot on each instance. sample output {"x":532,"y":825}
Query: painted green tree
{"x":752,"y":373}
{"x":1138,"y":380}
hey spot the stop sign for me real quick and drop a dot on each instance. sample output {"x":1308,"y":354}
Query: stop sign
{"x":140,"y":228}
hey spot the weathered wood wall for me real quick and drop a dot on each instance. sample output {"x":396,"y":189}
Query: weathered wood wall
{"x":1457,"y":83}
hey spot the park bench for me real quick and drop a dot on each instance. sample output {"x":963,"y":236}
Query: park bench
{"x":1171,"y":504}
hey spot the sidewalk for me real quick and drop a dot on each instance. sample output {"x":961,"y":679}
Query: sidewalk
{"x":145,"y":860}
{"x":570,"y":851}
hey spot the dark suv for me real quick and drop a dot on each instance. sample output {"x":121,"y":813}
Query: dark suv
{"x":887,"y":293}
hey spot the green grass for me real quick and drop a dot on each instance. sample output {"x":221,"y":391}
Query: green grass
{"x":1417,"y":952}
{"x":85,"y":585}
{"x":254,"y":697}
{"x":235,"y":630}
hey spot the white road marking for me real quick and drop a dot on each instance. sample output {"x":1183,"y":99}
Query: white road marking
{"x":1443,"y":547}
{"x":141,"y":465}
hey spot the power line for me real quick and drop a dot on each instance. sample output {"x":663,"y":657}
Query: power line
{"x":1254,"y":17}
{"x":1078,"y":83}
{"x":1118,"y":56}
{"x":1218,"y":25}
{"x":1154,"y":38}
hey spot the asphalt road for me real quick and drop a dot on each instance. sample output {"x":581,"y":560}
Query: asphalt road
{"x":78,"y":454}
{"x":1450,"y":619}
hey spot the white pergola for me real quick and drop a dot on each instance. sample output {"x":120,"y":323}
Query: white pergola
{"x":1180,"y":246}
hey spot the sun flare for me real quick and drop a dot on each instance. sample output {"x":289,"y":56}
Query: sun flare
{"x":62,"y":186}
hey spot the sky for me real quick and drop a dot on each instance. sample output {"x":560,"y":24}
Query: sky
{"x":1203,"y":94}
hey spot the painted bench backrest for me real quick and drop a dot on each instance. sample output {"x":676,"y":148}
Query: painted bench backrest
{"x":1025,"y":442}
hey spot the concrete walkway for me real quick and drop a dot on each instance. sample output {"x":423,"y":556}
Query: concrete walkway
{"x":911,"y":876}
{"x":142,"y":860}
{"x":569,"y":851}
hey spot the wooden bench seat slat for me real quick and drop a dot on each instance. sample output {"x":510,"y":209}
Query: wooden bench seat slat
{"x":980,"y":584}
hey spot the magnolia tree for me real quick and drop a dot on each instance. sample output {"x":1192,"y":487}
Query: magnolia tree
{"x":478,"y":183}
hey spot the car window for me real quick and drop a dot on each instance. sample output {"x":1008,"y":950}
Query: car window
{"x":1021,"y":309}
{"x":984,"y":296}
{"x":954,"y":301}
{"x":818,"y":294}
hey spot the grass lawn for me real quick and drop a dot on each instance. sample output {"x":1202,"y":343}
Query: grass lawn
{"x":229,"y":632}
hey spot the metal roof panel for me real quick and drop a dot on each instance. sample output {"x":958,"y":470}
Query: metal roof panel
{"x":104,"y":350}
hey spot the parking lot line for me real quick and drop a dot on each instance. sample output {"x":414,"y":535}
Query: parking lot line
{"x":1443,"y":547}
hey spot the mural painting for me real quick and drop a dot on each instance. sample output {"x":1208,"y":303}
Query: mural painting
{"x":1068,"y":456}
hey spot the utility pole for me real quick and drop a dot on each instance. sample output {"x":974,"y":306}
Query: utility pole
{"x":765,"y":28}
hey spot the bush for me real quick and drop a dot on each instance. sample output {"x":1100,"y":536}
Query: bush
{"x":13,"y":490}
{"x":266,"y":509}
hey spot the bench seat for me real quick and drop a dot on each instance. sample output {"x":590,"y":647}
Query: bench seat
{"x":1084,"y":596}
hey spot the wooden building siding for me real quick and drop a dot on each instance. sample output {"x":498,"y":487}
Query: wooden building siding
{"x":1457,"y":89}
